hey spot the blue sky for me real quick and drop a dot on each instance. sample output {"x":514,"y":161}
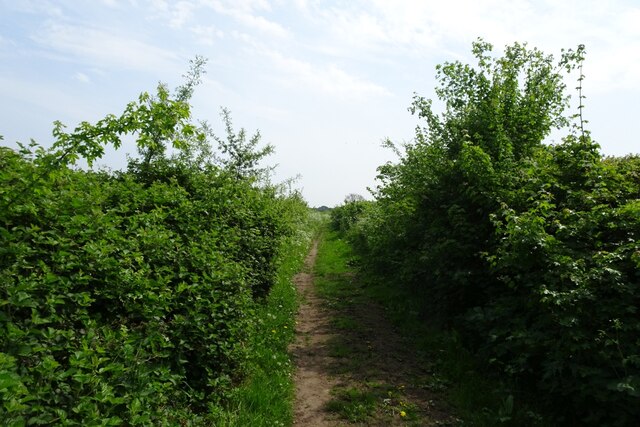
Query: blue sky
{"x":324,"y":81}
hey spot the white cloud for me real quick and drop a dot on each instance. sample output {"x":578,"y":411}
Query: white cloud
{"x":246,"y":38}
{"x":420,"y":27}
{"x":248,"y":6}
{"x":207,"y":34}
{"x":176,"y":14}
{"x":244,"y":12}
{"x":381,"y":28}
{"x":181,"y":13}
{"x":327,"y":79}
{"x":110,"y":3}
{"x":629,"y":22}
{"x":261,"y":24}
{"x":44,"y":7}
{"x":159,"y":6}
{"x":617,"y":67}
{"x":81,"y":77}
{"x":100,"y":47}
{"x":301,"y":4}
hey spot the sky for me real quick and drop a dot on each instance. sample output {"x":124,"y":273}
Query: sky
{"x":325,"y":82}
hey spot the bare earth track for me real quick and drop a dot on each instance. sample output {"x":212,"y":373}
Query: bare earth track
{"x":345,"y":345}
{"x":310,"y":351}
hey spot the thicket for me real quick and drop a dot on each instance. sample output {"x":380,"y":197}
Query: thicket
{"x":345,"y":216}
{"x":531,"y":251}
{"x":130,"y":297}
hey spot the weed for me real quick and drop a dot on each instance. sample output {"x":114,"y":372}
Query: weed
{"x":353,"y":404}
{"x":345,"y":323}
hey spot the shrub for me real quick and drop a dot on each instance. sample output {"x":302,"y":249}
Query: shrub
{"x":128,"y":297}
{"x":529,"y":250}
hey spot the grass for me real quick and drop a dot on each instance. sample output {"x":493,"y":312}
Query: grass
{"x":358,"y":401}
{"x":334,"y":278}
{"x":345,"y":323}
{"x":335,"y":255}
{"x":265,"y":398}
{"x":360,"y":404}
{"x":352,"y":404}
{"x":480,"y":398}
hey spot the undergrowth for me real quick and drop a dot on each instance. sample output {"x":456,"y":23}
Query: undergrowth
{"x":480,"y":399}
{"x":266,"y":397}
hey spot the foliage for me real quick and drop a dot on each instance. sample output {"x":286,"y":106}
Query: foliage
{"x":344,"y":217}
{"x":242,"y":157}
{"x":529,"y":250}
{"x":265,"y":398}
{"x":130,"y":297}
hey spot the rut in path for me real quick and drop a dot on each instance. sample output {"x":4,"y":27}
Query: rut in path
{"x":368,"y":356}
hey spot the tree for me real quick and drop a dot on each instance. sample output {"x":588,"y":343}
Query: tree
{"x":239,"y":155}
{"x":352,"y":198}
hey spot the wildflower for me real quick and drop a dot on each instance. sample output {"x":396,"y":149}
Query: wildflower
{"x":273,"y":330}
{"x":403,"y":414}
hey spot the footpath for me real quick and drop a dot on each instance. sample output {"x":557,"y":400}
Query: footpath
{"x":352,"y":367}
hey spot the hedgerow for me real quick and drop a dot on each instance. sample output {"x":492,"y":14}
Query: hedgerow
{"x":129,"y":297}
{"x":529,"y":250}
{"x":345,"y":216}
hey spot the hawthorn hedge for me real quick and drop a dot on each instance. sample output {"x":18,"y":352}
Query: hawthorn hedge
{"x":531,"y":251}
{"x":128,"y":297}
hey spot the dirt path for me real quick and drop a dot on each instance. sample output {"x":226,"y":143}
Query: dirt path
{"x":310,"y":351}
{"x":353,"y":368}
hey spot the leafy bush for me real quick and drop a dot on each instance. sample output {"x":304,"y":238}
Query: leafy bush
{"x":345,"y":216}
{"x":128,"y":297}
{"x":531,"y":251}
{"x":569,"y":268}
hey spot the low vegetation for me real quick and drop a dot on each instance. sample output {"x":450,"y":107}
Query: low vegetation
{"x":379,"y":375}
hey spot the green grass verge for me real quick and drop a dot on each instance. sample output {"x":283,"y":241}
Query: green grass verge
{"x":480,"y":398}
{"x":336,"y":282}
{"x":334,"y":272}
{"x":265,"y":398}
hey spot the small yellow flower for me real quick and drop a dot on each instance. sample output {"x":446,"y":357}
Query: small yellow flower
{"x":403,"y":414}
{"x":273,"y":330}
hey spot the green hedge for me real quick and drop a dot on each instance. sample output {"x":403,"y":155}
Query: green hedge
{"x":530,"y":251}
{"x":127,"y":302}
{"x":130,"y":297}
